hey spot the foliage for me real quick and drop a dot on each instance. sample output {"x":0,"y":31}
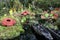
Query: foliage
{"x":10,"y":32}
{"x":14,"y":8}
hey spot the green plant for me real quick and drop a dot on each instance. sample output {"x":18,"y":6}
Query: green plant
{"x":8,"y":32}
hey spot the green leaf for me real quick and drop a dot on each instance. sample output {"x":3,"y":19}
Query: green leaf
{"x":46,"y":15}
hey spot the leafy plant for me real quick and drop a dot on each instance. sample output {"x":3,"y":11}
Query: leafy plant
{"x":8,"y":32}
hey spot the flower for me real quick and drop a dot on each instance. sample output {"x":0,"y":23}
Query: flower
{"x":55,"y":16}
{"x":8,"y":22}
{"x":52,"y":12}
{"x":25,"y":13}
{"x":56,"y":9}
{"x":42,"y":17}
{"x":10,"y":27}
